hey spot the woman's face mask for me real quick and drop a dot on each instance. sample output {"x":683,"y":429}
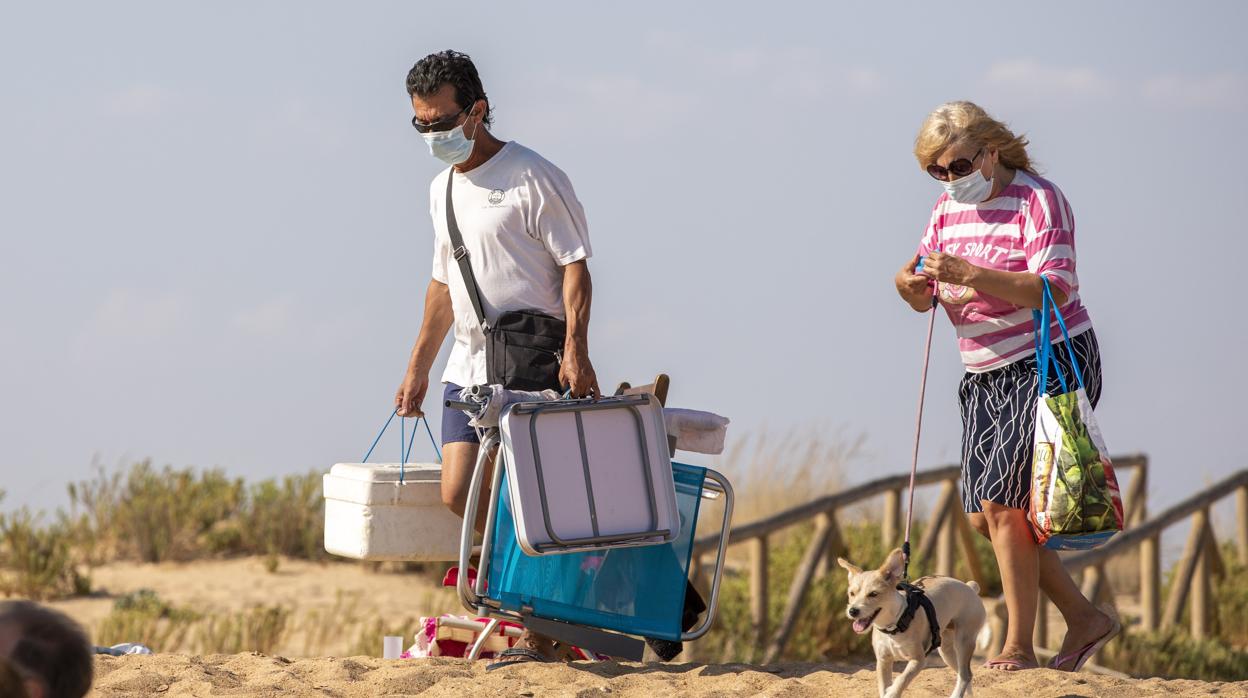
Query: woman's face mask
{"x":971,"y":189}
{"x":974,"y":188}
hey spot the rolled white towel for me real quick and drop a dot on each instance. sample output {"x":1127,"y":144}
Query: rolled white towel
{"x":695,"y":430}
{"x":492,"y":405}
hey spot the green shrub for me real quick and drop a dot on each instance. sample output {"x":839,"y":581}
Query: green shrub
{"x":38,"y":561}
{"x":285,"y":518}
{"x":143,"y":617}
{"x":156,"y":515}
{"x":257,"y":629}
{"x":1230,"y":601}
{"x":1174,"y":654}
{"x":152,"y":515}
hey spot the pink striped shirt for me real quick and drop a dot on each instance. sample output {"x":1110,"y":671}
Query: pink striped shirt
{"x":1028,"y":227}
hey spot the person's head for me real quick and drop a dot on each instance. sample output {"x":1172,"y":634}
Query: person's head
{"x":11,"y":683}
{"x":449,"y":103}
{"x":959,"y":140}
{"x":49,"y":651}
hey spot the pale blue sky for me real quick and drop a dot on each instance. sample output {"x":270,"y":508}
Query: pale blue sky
{"x":216,"y":233}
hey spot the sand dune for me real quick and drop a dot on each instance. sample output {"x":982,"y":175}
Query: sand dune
{"x":259,"y":675}
{"x":227,"y":585}
{"x":232,"y":585}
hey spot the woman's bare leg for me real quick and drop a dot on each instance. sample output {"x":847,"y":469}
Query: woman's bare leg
{"x":1084,"y":622}
{"x":1019,"y":561}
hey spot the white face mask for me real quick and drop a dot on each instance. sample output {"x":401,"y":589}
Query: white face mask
{"x":451,"y":147}
{"x":974,"y":188}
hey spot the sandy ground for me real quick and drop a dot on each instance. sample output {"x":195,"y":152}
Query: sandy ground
{"x":232,"y":585}
{"x":345,"y":589}
{"x":259,"y":675}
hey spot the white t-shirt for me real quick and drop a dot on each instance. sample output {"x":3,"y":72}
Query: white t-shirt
{"x":521,"y":223}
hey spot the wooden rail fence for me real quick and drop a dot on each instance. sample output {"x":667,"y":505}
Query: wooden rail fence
{"x":1201,"y":561}
{"x":948,"y":529}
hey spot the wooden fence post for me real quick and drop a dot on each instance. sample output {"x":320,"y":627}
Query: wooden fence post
{"x":824,"y":530}
{"x":1186,"y":569}
{"x":759,"y":588}
{"x":1136,"y":502}
{"x":1241,"y":500}
{"x":1217,"y":568}
{"x":892,"y":519}
{"x":1199,"y":609}
{"x":1093,"y":578}
{"x":700,"y":574}
{"x":946,"y":548}
{"x":1150,"y":583}
{"x":931,"y":536}
{"x":973,"y":563}
{"x":835,"y":548}
{"x":997,"y":620}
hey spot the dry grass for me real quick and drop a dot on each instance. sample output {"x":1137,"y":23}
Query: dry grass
{"x":38,"y":561}
{"x":773,"y":473}
{"x":145,"y":618}
{"x":153,"y":514}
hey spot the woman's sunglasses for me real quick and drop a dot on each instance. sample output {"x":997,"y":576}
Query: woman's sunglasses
{"x":443,"y":124}
{"x":958,"y":168}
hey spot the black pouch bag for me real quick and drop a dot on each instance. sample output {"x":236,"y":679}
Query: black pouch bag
{"x":524,"y":348}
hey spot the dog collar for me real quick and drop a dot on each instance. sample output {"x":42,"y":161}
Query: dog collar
{"x":915,"y":599}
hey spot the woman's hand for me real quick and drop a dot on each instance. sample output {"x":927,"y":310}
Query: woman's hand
{"x":949,"y":269}
{"x":914,"y":289}
{"x":1021,"y":288}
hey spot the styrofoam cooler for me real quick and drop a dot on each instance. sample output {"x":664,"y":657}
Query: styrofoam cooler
{"x":370,"y":516}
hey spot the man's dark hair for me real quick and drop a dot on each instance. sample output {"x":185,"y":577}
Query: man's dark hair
{"x":449,"y":68}
{"x":50,"y":646}
{"x":11,"y":683}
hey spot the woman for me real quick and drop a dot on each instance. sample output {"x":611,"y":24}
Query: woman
{"x":995,"y":235}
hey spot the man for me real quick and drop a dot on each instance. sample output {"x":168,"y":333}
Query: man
{"x":49,"y":651}
{"x":526,"y":239}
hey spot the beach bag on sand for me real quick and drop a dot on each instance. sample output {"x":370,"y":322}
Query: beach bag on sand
{"x":1075,"y":502}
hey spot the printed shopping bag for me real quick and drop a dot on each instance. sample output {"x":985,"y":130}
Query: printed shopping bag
{"x":1075,"y":502}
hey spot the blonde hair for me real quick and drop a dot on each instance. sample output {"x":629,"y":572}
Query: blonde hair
{"x":957,"y":122}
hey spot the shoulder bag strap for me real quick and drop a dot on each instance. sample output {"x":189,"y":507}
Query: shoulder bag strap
{"x":460,"y":253}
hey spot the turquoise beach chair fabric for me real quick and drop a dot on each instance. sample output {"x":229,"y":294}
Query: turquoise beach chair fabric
{"x":637,"y":591}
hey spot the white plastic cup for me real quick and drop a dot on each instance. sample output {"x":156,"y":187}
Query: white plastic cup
{"x":391,"y":646}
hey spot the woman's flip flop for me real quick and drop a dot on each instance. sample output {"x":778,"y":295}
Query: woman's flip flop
{"x":1083,"y":654}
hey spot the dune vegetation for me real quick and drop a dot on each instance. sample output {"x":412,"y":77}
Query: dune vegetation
{"x":145,"y":514}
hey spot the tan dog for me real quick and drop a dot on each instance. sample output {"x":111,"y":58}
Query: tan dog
{"x":875,"y":602}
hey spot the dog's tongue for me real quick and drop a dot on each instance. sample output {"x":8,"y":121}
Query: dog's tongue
{"x":861,"y":625}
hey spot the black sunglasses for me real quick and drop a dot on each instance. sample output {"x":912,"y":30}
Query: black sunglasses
{"x":444,"y":124}
{"x":958,"y":168}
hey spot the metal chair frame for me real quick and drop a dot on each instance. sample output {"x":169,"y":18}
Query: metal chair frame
{"x":474,"y":597}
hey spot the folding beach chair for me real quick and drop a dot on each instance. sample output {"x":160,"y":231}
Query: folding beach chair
{"x":609,"y":589}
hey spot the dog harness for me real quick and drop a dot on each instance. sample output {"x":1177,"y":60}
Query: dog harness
{"x":914,"y":599}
